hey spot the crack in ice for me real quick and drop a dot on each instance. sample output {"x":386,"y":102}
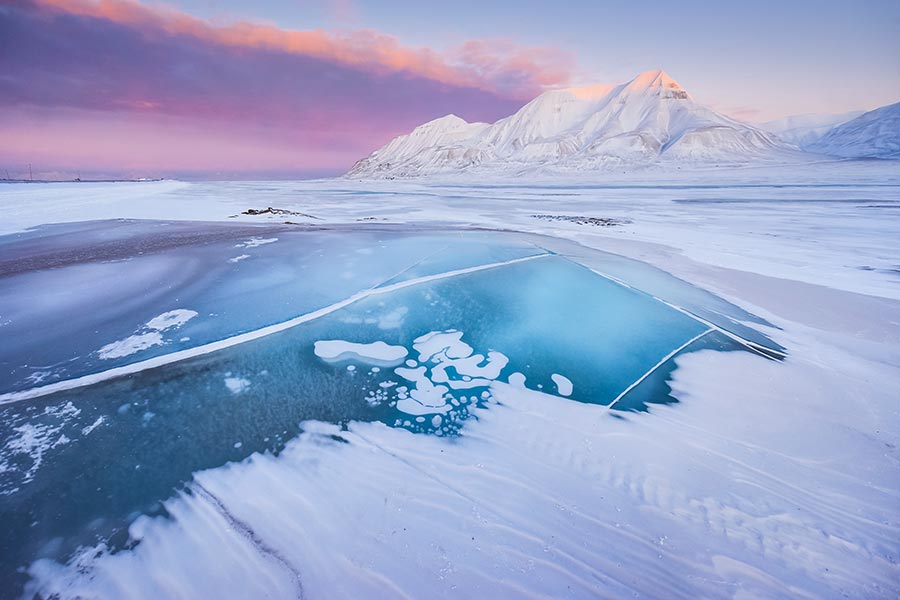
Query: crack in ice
{"x":664,"y":360}
{"x":242,"y":338}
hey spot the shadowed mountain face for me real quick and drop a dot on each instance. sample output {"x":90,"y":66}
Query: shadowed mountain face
{"x":875,"y":134}
{"x":650,"y":119}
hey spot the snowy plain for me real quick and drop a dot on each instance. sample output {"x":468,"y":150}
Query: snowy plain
{"x":774,"y":479}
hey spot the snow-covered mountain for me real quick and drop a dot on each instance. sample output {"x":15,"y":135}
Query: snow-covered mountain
{"x":875,"y":134}
{"x":802,"y":130}
{"x":651,"y":119}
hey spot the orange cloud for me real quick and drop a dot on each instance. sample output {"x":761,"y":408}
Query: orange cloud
{"x":496,"y":66}
{"x":504,"y":58}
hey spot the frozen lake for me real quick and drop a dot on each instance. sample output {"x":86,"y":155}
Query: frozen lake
{"x":449,"y":391}
{"x":410,"y":329}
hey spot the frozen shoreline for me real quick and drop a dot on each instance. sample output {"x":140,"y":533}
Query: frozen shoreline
{"x":832,"y":224}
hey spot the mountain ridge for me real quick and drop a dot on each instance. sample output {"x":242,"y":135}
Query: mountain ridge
{"x":803,"y":130}
{"x":874,"y":134}
{"x":647,"y":120}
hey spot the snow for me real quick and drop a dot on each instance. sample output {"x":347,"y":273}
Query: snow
{"x":802,"y":130}
{"x":130,"y":345}
{"x":874,"y":134}
{"x":171,"y":319}
{"x":431,"y":382}
{"x":516,"y":380}
{"x":375,"y":352}
{"x":693,"y":500}
{"x":563,"y":384}
{"x":34,"y":439}
{"x":151,"y":334}
{"x":97,"y":423}
{"x":449,"y":344}
{"x":766,"y":479}
{"x":650,"y":119}
{"x":255,"y":242}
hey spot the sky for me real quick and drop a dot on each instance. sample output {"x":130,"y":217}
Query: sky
{"x":296,"y":88}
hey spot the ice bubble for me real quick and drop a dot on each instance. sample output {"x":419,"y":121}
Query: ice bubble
{"x":373,"y":353}
{"x":236,"y":385}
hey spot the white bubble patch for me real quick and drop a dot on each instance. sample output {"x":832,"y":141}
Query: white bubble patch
{"x":446,"y":370}
{"x":236,"y":385}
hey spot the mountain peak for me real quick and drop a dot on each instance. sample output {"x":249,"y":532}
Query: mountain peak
{"x":648,"y":120}
{"x":446,"y":124}
{"x":656,"y":80}
{"x":450,"y":120}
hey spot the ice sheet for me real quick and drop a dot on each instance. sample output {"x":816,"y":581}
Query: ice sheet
{"x":84,"y":304}
{"x":460,"y":332}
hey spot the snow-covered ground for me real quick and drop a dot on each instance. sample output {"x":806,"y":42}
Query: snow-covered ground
{"x":775,"y":479}
{"x":832,"y":224}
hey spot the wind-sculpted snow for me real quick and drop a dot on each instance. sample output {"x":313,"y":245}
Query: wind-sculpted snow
{"x":650,"y":119}
{"x":539,"y":496}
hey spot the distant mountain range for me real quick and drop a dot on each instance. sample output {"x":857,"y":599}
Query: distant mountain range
{"x":801,"y":130}
{"x":651,"y":120}
{"x":875,"y":134}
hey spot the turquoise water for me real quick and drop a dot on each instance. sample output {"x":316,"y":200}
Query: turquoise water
{"x":78,"y":466}
{"x":60,"y":317}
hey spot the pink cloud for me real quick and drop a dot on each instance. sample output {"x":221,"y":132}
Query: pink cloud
{"x":118,"y":85}
{"x":84,"y":82}
{"x":485,"y":64}
{"x":146,"y":145}
{"x":504,"y":60}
